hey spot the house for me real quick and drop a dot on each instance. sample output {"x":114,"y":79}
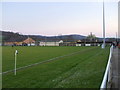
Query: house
{"x":77,"y":44}
{"x":20,"y":42}
{"x":29,"y":41}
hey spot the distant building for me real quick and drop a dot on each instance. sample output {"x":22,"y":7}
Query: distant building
{"x":12,"y":43}
{"x":96,"y":43}
{"x":77,"y":44}
{"x":50,"y":43}
{"x":29,"y":41}
{"x":20,"y":42}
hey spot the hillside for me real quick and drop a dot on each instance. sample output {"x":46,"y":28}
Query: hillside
{"x":11,"y":36}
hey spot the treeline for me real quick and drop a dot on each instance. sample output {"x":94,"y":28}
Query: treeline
{"x":12,"y":37}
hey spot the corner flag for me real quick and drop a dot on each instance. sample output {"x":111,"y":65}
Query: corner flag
{"x":16,"y":52}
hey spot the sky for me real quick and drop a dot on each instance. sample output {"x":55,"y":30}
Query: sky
{"x":59,"y":18}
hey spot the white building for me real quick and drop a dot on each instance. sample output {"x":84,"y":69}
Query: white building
{"x":78,"y":44}
{"x":50,"y":43}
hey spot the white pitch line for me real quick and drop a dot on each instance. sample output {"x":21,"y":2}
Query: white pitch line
{"x":43,"y":61}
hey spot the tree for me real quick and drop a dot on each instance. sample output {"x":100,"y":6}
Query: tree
{"x":91,"y":37}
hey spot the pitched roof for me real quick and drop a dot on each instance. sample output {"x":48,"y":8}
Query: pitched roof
{"x":29,"y":40}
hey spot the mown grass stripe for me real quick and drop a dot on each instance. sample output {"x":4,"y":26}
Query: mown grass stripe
{"x":49,"y":60}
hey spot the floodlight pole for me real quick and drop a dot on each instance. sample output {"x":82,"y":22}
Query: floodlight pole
{"x":103,"y":46}
{"x":116,"y":37}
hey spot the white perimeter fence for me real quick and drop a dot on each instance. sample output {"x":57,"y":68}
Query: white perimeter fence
{"x":107,"y":76}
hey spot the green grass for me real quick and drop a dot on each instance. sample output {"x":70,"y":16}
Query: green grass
{"x":81,"y":70}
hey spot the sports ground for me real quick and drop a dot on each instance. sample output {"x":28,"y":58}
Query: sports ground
{"x":54,"y":67}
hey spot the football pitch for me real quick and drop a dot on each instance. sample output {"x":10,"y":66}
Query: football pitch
{"x":54,"y":67}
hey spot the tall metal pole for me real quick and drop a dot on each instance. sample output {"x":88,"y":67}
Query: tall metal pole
{"x":45,"y":40}
{"x":103,"y":27}
{"x":116,"y":36}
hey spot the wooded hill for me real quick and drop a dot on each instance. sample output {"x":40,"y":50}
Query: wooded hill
{"x":16,"y":37}
{"x":11,"y":36}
